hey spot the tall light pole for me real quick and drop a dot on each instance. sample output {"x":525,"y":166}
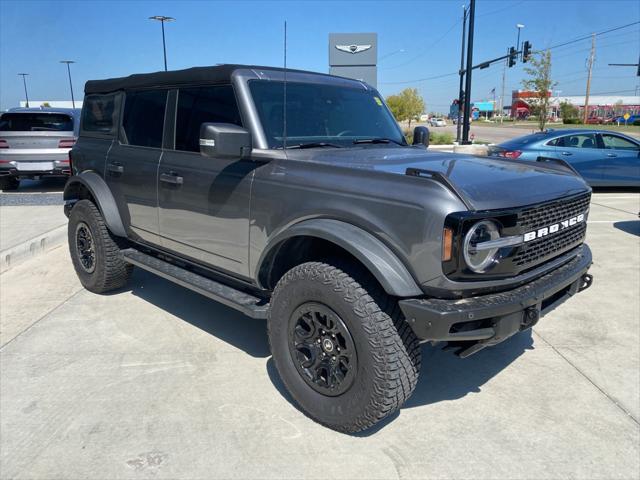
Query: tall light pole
{"x":162,"y":19}
{"x":68,"y":62}
{"x":24,"y":81}
{"x":467,"y":80}
{"x":519,"y":26}
{"x":461,"y":73}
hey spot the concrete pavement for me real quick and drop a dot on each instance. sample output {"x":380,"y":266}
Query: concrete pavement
{"x":156,"y":381}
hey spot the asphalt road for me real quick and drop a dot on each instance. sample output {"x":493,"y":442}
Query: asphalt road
{"x":156,"y":382}
{"x":35,"y":192}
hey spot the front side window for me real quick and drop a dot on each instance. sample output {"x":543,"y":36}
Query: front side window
{"x":98,"y":113}
{"x":333,"y":114}
{"x":143,"y":118}
{"x":198,"y":105}
{"x":618,"y":143}
{"x":583,"y":140}
{"x":35,"y":122}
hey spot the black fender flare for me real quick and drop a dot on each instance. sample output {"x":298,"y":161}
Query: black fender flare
{"x":102,"y":194}
{"x":385,"y":266}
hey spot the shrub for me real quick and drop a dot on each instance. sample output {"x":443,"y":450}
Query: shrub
{"x":444,"y":138}
{"x":571,"y":121}
{"x":636,"y":123}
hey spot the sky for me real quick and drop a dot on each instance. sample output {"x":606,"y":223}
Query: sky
{"x":416,"y":40}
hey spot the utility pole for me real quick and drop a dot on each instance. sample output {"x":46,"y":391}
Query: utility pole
{"x":591,"y":60}
{"x":24,"y":81}
{"x":467,"y":88}
{"x":68,"y":62}
{"x":460,"y":89}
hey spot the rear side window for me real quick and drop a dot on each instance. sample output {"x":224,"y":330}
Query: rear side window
{"x":143,"y":118}
{"x":98,"y":114}
{"x":216,"y":104}
{"x":35,"y":122}
{"x":583,"y":140}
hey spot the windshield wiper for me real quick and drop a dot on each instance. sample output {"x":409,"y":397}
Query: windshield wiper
{"x":315,"y":145}
{"x":377,"y":140}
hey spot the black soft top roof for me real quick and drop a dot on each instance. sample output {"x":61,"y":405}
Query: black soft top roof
{"x":216,"y":74}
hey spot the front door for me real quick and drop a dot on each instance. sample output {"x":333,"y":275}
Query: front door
{"x":621,"y":164}
{"x":204,"y":202}
{"x":132,"y":162}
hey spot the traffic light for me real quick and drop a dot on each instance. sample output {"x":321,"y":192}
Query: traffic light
{"x":513,"y":54}
{"x":526,"y":51}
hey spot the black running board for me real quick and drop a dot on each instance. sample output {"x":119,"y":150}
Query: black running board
{"x":229,"y":296}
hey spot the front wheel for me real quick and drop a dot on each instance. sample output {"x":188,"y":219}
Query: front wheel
{"x":341,"y":346}
{"x":95,"y":252}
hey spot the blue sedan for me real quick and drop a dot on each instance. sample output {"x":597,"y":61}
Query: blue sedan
{"x":603,"y":158}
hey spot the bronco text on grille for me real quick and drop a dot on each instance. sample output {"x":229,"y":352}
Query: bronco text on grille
{"x":555,"y":228}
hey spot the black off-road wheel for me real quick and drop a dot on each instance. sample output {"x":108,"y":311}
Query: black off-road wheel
{"x":341,"y":345}
{"x":95,"y":252}
{"x":8,"y":183}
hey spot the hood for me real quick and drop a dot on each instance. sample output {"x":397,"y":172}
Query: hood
{"x":487,"y":183}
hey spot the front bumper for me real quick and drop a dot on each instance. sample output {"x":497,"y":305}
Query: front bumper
{"x":478,"y":322}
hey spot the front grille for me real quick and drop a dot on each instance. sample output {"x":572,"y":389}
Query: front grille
{"x":548,"y":247}
{"x":553,"y":212}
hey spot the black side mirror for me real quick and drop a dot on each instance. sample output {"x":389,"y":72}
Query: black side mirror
{"x":224,"y":140}
{"x":421,"y":136}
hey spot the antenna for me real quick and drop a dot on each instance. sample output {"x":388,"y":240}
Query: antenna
{"x":284,"y":104}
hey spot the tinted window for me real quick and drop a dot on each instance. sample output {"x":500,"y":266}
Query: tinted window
{"x":335,"y":114}
{"x":583,"y":140}
{"x":35,"y":122}
{"x":143,"y":118}
{"x":98,"y":113}
{"x":200,"y":105}
{"x":618,"y":143}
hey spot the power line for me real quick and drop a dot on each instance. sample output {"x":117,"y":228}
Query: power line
{"x":587,"y":37}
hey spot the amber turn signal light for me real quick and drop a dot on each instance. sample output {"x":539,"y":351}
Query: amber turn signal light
{"x":447,"y":244}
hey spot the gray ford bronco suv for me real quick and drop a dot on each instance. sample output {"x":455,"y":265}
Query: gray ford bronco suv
{"x":294,"y":197}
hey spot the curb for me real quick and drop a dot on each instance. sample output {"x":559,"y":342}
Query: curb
{"x":42,"y":243}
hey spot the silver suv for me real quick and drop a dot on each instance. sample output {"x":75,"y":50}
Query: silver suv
{"x":35,"y":142}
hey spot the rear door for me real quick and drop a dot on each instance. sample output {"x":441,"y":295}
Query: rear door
{"x":582,"y":152}
{"x":621,"y":164}
{"x":132,"y":163}
{"x":204,"y":202}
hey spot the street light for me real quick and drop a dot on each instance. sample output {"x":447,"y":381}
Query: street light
{"x":519,"y":26}
{"x":24,"y":81}
{"x":162,"y":19}
{"x":68,"y":62}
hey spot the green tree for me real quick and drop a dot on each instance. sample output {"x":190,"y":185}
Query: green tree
{"x":541,"y":84}
{"x":568,"y":110}
{"x":407,"y":105}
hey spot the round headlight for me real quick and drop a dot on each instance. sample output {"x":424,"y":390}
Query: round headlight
{"x":479,"y":260}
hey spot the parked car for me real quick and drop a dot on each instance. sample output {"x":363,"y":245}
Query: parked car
{"x":603,"y":158}
{"x":629,"y":121}
{"x":352,"y":244}
{"x":35,"y":142}
{"x":438,"y":122}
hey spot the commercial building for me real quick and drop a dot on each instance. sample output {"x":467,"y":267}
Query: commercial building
{"x":600,"y":106}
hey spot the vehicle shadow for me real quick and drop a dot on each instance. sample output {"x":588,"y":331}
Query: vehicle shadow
{"x":443,"y":377}
{"x":629,"y":226}
{"x":44,"y":185}
{"x":245,"y":333}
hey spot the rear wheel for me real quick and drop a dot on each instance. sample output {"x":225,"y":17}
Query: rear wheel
{"x":9,"y":183}
{"x":95,"y":252}
{"x":341,"y":346}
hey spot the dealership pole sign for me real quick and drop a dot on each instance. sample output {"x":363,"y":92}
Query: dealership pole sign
{"x":354,"y":55}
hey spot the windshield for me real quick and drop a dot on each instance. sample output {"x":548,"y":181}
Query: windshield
{"x":325,"y":114}
{"x":35,"y":122}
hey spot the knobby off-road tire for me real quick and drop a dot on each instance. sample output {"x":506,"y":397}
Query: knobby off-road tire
{"x":94,"y":251}
{"x":388,"y":354}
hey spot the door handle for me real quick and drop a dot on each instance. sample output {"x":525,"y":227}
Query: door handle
{"x":172,"y":178}
{"x":115,"y":167}
{"x":567,"y":154}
